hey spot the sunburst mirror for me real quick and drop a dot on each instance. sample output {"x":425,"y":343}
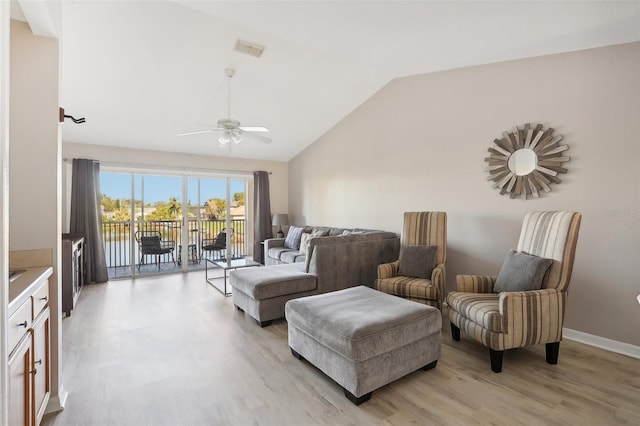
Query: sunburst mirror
{"x":526,"y":161}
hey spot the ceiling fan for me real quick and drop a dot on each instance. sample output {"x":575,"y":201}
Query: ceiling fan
{"x":232,"y":130}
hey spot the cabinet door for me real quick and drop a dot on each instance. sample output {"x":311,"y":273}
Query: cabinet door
{"x":41,"y":365}
{"x":19,"y":383}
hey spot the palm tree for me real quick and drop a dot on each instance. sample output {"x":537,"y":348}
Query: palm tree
{"x":174,"y":207}
{"x":216,"y":208}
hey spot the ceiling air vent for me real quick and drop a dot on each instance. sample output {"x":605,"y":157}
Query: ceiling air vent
{"x":251,"y":49}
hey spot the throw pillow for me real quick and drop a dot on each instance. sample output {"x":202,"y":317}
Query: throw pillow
{"x":320,"y":232}
{"x":293,"y":237}
{"x":304,"y":243}
{"x":521,"y":272}
{"x":417,"y":261}
{"x":348,"y":232}
{"x":305,"y":240}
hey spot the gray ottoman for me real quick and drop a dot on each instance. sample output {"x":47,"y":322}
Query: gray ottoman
{"x":362,"y":338}
{"x":263,"y":292}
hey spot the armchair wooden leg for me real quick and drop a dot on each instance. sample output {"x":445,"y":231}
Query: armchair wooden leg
{"x":455,"y":332}
{"x":552,"y":350}
{"x":496,"y":360}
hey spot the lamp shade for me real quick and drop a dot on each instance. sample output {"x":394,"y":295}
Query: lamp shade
{"x":280,"y":219}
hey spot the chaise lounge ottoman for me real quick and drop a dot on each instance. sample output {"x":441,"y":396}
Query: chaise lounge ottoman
{"x":263,"y":292}
{"x":363,"y":338}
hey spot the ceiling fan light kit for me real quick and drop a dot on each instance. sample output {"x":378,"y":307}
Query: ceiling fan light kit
{"x":232,"y":129}
{"x":229,"y":137}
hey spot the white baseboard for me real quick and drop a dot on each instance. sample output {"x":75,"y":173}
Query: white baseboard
{"x":602,"y":343}
{"x":57,"y":402}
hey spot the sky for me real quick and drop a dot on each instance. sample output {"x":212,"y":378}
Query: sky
{"x":161,"y":188}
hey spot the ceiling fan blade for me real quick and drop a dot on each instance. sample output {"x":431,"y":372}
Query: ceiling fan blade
{"x":260,"y":129}
{"x":257,"y":137}
{"x":233,"y":131}
{"x":197,"y":132}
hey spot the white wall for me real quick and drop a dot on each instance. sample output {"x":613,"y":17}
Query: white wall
{"x":420,"y":143}
{"x":158,"y":159}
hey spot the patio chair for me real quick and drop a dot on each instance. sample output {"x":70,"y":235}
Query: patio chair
{"x":150,"y":244}
{"x":212,"y":245}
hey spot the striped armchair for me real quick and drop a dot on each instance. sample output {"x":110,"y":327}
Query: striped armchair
{"x":516,"y":319}
{"x":419,"y":228}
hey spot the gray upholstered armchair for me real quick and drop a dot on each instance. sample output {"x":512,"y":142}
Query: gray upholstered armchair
{"x":419,"y":229}
{"x":512,"y":319}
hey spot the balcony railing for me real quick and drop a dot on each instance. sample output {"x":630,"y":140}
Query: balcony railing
{"x":118,"y":238}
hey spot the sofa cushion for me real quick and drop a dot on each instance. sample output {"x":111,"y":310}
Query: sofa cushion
{"x":277,"y":252}
{"x":272,"y":281}
{"x":294,"y":235}
{"x":290,"y":256}
{"x":417,"y":289}
{"x":521,"y":272}
{"x":417,"y":261}
{"x":480,"y":308}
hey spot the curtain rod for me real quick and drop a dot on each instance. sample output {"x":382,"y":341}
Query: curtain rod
{"x":156,"y":167}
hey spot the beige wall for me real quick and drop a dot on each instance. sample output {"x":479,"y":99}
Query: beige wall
{"x":33,"y":149}
{"x":419,"y":144}
{"x":34,"y":165}
{"x":4,"y":203}
{"x":175,"y":161}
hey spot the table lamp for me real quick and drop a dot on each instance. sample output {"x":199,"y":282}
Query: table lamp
{"x":279,"y":220}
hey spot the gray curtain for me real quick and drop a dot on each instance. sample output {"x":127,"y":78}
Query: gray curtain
{"x":261,"y":213}
{"x":85,"y":217}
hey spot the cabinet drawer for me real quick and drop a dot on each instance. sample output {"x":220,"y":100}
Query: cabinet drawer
{"x":18,"y":324}
{"x":40,"y":298}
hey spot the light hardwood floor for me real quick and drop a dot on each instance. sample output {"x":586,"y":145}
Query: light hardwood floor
{"x":173,"y":351}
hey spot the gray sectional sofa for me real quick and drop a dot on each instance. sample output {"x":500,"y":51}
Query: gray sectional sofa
{"x":279,"y":251}
{"x":331,"y":262}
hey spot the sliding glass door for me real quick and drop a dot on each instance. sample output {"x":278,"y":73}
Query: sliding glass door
{"x":222,"y":210}
{"x":156,"y":223}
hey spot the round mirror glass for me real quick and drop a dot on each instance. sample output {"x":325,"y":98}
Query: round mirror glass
{"x":523,"y":161}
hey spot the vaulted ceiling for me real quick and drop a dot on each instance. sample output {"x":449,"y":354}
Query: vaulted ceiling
{"x":142,"y":72}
